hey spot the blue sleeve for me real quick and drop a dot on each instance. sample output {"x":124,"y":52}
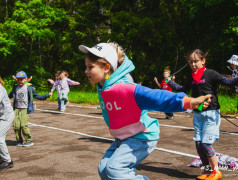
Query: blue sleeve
{"x":176,"y":86}
{"x":229,"y":82}
{"x":158,"y":100}
{"x":39,"y":97}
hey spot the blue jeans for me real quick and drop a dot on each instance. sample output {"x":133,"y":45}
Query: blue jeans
{"x":206,"y":125}
{"x":62,"y":104}
{"x":59,"y":103}
{"x":63,"y":99}
{"x":123,"y":156}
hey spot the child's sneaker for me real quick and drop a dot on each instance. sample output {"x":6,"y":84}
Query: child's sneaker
{"x":62,"y":110}
{"x":19,"y":144}
{"x":204,"y":175}
{"x":66,"y":102}
{"x":169,"y":117}
{"x":215,"y":175}
{"x":28,"y":144}
{"x":6,"y":165}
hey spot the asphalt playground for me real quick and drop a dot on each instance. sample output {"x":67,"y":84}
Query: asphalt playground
{"x":70,"y":145}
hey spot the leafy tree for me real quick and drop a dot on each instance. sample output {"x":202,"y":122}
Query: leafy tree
{"x":42,"y":36}
{"x":28,"y":37}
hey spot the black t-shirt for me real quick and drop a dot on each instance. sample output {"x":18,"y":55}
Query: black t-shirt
{"x":207,"y":85}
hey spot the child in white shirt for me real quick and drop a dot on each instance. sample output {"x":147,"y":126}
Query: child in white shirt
{"x":64,"y":83}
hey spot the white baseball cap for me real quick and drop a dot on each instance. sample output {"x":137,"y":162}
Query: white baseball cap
{"x":233,"y":60}
{"x":103,"y":50}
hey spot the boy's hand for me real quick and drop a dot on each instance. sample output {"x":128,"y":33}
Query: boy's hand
{"x":155,"y":79}
{"x":195,"y":102}
{"x":169,"y":78}
{"x":51,"y":93}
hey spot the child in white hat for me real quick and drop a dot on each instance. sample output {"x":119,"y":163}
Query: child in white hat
{"x":233,"y":61}
{"x":124,"y":106}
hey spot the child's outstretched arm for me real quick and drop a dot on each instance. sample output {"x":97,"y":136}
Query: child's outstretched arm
{"x":72,"y":83}
{"x":196,"y":102}
{"x":175,"y":86}
{"x":166,"y":101}
{"x":229,"y":82}
{"x":51,"y":81}
{"x":156,"y":82}
{"x":40,"y":97}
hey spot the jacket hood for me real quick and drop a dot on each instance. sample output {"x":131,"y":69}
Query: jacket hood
{"x":117,"y":76}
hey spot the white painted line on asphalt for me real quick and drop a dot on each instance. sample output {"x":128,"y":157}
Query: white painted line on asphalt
{"x":98,"y":137}
{"x":177,"y":152}
{"x":69,"y":131}
{"x":58,"y":112}
{"x":165,"y":125}
{"x":180,"y":127}
{"x":90,"y":107}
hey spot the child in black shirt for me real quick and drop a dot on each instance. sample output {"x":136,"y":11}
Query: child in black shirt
{"x":204,"y":81}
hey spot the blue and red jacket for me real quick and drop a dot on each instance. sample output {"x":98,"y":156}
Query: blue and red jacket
{"x":124,"y":105}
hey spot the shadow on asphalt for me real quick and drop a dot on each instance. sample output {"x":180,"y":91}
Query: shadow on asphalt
{"x":96,"y":140}
{"x":187,"y":130}
{"x":168,"y":171}
{"x":11,"y":143}
{"x":95,"y":113}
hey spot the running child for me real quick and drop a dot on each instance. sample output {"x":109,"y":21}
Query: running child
{"x":164,"y":85}
{"x":23,"y":95}
{"x":206,"y":123}
{"x":6,"y":119}
{"x":57,"y":88}
{"x":124,"y":106}
{"x":64,"y":83}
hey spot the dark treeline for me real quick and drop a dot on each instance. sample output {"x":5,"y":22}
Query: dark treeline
{"x":42,"y":36}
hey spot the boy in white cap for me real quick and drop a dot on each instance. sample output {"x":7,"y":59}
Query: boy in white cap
{"x":124,"y":107}
{"x":23,"y":95}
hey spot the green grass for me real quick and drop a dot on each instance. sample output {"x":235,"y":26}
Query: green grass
{"x":77,"y":97}
{"x":228,"y":103}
